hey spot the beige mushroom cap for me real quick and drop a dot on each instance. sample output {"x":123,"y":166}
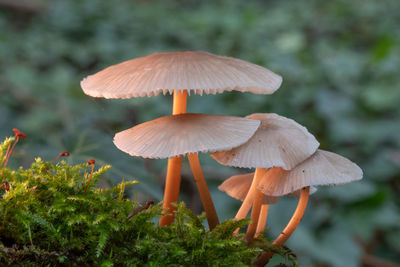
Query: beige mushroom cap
{"x":177,"y":135}
{"x":166,"y":72}
{"x":238,"y":186}
{"x":278,"y":142}
{"x":322,"y":168}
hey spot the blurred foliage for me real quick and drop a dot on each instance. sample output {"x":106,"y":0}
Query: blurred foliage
{"x":339,"y":61}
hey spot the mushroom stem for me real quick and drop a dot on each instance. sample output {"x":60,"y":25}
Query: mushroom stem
{"x":248,"y":201}
{"x":262,"y":220}
{"x":206,"y":199}
{"x":255,"y":214}
{"x":290,"y":227}
{"x":172,"y":186}
{"x":173,"y":179}
{"x":180,"y":100}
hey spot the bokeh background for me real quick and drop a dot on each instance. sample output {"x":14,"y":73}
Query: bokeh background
{"x":340,"y":64}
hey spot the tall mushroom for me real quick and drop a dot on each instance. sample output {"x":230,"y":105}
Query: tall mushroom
{"x":178,"y":73}
{"x":322,"y":168}
{"x":187,"y":134}
{"x":278,"y":142}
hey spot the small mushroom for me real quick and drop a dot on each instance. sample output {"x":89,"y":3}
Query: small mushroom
{"x":178,"y":73}
{"x":322,"y":168}
{"x":279,"y":141}
{"x":187,"y":134}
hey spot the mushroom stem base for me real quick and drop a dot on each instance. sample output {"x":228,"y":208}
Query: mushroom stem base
{"x":255,"y":214}
{"x":290,"y":227}
{"x":262,"y":220}
{"x":171,"y":192}
{"x":206,"y":199}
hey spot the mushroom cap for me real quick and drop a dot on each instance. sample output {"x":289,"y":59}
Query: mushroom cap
{"x":278,"y":142}
{"x":177,"y":135}
{"x":238,"y":186}
{"x":190,"y":70}
{"x":322,"y":168}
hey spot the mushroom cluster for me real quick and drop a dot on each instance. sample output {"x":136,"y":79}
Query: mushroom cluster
{"x":285,"y":155}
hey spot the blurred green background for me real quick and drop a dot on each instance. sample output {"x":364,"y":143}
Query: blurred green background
{"x":340,"y":64}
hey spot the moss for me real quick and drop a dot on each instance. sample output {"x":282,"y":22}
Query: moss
{"x":46,"y":218}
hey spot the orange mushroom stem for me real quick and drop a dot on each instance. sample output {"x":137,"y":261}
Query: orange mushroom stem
{"x":290,"y":227}
{"x":90,"y":162}
{"x":249,"y":200}
{"x":206,"y":199}
{"x":262,"y":220}
{"x":255,"y":214}
{"x":173,"y":179}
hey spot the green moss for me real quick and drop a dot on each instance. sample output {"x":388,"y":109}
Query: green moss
{"x":46,"y":218}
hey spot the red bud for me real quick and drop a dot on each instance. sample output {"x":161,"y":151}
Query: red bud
{"x":18,"y":133}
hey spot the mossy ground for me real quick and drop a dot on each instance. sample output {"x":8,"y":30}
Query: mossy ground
{"x":47,"y":219}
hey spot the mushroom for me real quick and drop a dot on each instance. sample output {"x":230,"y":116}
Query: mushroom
{"x":238,"y":186}
{"x":178,"y":73}
{"x":187,"y":134}
{"x":322,"y":168}
{"x":279,"y":141}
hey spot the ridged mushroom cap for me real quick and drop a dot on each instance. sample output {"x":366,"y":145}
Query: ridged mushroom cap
{"x":198,"y":71}
{"x":322,"y":168}
{"x":177,"y":135}
{"x":279,"y":142}
{"x":238,"y":186}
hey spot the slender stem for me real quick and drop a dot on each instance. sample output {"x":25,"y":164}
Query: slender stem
{"x":255,"y":214}
{"x":171,"y":193}
{"x":90,"y":178}
{"x":262,"y":220}
{"x":248,"y":201}
{"x":206,"y":199}
{"x":296,"y":218}
{"x":180,"y":101}
{"x":290,"y":227}
{"x":62,"y":154}
{"x":173,"y":179}
{"x":9,"y":152}
{"x":6,"y":156}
